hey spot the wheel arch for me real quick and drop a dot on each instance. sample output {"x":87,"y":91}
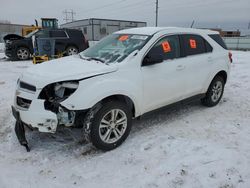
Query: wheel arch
{"x":122,"y":98}
{"x":23,"y":46}
{"x":222,"y":74}
{"x":71,"y":44}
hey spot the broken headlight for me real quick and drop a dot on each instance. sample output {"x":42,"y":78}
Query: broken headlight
{"x":58,"y":92}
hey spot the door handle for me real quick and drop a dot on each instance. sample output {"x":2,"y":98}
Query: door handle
{"x":180,"y":67}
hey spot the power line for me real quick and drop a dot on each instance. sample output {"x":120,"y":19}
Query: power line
{"x":133,"y":10}
{"x":117,"y":7}
{"x":134,"y":5}
{"x":101,"y":7}
{"x":69,"y":15}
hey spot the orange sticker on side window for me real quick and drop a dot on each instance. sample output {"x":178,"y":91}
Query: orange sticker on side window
{"x":166,"y":47}
{"x":123,"y":38}
{"x":192,"y":43}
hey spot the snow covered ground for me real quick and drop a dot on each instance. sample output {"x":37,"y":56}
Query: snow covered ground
{"x":1,"y":47}
{"x":188,"y":146}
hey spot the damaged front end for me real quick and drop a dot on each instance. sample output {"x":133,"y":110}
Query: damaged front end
{"x":42,"y":109}
{"x":54,"y":94}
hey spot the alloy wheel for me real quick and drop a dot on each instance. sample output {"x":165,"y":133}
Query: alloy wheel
{"x":22,"y":53}
{"x":72,"y":51}
{"x":217,"y":91}
{"x":113,"y":126}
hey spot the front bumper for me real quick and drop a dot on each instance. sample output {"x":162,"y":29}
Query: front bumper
{"x":19,"y":129}
{"x":9,"y":51}
{"x":34,"y":114}
{"x":37,"y":117}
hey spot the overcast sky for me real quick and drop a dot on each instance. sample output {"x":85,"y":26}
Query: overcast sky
{"x":211,"y":13}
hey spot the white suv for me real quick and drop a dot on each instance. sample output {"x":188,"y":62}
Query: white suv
{"x":124,"y":76}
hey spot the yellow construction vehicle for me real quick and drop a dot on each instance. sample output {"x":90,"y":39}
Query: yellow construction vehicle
{"x":46,"y":23}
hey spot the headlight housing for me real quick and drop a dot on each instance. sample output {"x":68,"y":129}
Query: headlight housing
{"x":58,"y":92}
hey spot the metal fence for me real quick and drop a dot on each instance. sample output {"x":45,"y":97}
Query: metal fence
{"x":237,"y":43}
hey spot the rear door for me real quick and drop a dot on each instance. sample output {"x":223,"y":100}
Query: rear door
{"x":61,"y":40}
{"x":198,"y":59}
{"x":77,"y":39}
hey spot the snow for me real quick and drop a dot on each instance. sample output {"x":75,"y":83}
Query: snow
{"x":188,"y":146}
{"x":1,"y":47}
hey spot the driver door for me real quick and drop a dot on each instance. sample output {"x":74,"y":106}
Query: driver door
{"x":163,"y":81}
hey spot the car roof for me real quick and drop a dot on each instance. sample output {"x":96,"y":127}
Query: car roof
{"x":153,"y":30}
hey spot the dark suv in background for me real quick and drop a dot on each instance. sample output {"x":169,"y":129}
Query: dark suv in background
{"x":70,"y":41}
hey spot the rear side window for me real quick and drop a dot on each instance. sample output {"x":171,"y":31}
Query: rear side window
{"x":75,"y":33}
{"x":219,"y":40}
{"x":194,"y":44}
{"x":58,"y":34}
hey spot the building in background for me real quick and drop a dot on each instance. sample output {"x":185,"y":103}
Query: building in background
{"x":8,"y":28}
{"x":95,"y":29}
{"x":227,"y":33}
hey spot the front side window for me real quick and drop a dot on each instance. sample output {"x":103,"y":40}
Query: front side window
{"x":42,"y":34}
{"x":167,"y":48}
{"x":115,"y":47}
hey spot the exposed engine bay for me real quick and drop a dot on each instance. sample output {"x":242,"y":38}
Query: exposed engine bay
{"x":54,"y":94}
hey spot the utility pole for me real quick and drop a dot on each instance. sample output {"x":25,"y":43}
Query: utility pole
{"x":69,"y":15}
{"x":156,"y":13}
{"x":192,"y":24}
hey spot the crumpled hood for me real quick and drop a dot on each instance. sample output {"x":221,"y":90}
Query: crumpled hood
{"x":67,"y":68}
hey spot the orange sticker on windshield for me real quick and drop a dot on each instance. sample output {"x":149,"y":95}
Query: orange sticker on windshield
{"x":123,"y":38}
{"x":192,"y":43}
{"x":166,"y":47}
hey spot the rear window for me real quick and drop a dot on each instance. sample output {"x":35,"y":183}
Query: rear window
{"x":219,"y":40}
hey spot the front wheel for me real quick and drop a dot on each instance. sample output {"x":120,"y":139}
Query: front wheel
{"x":71,"y":50}
{"x":23,"y":53}
{"x":109,"y":126}
{"x":214,"y":93}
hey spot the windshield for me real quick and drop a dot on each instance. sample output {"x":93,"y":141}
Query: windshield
{"x":31,"y":34}
{"x":115,"y":47}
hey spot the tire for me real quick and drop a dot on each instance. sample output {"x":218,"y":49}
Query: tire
{"x":214,"y":92}
{"x":71,"y":50}
{"x":22,"y":53}
{"x":102,"y":130}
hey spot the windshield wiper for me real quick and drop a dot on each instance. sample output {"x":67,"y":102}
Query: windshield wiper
{"x":91,"y":58}
{"x":96,"y":59}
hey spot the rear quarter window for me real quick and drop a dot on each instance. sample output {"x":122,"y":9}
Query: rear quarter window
{"x":75,"y":34}
{"x":217,"y":38}
{"x":193,"y":44}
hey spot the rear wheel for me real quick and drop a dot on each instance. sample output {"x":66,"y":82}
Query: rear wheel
{"x":214,"y":93}
{"x":71,"y":50}
{"x":23,"y":53}
{"x":109,"y":125}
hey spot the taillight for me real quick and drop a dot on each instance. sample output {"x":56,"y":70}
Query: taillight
{"x":230,"y":56}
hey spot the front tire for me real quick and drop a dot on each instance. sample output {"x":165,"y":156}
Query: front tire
{"x":108,"y":125}
{"x":71,"y":50}
{"x":22,"y":53}
{"x":214,"y":93}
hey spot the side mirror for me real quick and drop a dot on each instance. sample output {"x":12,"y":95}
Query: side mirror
{"x":152,"y":58}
